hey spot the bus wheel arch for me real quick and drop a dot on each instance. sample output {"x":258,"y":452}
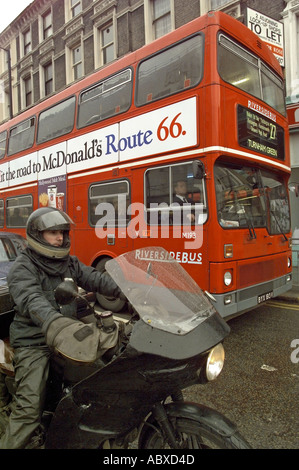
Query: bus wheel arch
{"x":105,"y":302}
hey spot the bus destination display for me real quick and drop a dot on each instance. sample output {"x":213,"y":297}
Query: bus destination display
{"x":260,"y":134}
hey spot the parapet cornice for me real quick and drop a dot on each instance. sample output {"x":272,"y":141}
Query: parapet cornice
{"x":22,"y":21}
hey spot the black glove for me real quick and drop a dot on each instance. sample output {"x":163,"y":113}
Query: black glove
{"x":109,"y":287}
{"x":122,"y":296}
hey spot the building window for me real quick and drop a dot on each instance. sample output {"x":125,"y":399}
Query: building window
{"x":161,"y":17}
{"x":27,"y":91}
{"x":76,"y":7}
{"x":48,"y":78}
{"x":215,"y":4}
{"x":4,"y":101}
{"x":77,"y":62}
{"x":27,"y":41}
{"x":107,"y":44}
{"x":47,"y":24}
{"x":158,"y":18}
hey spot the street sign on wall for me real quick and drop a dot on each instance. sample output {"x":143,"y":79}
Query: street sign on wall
{"x":269,"y":30}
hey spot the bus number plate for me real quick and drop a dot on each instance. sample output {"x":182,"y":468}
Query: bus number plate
{"x":263,"y":297}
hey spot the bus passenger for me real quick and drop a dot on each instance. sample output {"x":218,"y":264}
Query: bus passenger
{"x":32,"y":280}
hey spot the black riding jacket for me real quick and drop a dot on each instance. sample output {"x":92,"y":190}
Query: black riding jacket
{"x":32,"y":281}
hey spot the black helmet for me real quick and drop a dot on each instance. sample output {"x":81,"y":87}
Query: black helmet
{"x":48,"y":218}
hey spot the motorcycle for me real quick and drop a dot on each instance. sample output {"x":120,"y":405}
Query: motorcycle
{"x":131,"y":396}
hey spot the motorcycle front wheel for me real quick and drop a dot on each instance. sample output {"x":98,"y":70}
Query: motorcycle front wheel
{"x":192,"y":435}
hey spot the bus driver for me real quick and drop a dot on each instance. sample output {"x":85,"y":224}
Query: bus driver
{"x":181,"y":198}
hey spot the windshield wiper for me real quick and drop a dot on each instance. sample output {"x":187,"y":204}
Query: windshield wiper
{"x":249,"y":221}
{"x":250,"y":225}
{"x":278,"y":224}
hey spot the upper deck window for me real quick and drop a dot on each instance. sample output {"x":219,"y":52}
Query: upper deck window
{"x":246,"y":71}
{"x":106,"y":99}
{"x":2,"y":143}
{"x":56,"y":121}
{"x":1,"y":213}
{"x":21,"y":137}
{"x":170,"y":71}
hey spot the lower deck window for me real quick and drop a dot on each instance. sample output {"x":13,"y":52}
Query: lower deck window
{"x":174,"y":196}
{"x":108,"y":204}
{"x":18,"y":210}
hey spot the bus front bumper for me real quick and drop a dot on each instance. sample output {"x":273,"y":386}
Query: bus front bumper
{"x":236,"y":302}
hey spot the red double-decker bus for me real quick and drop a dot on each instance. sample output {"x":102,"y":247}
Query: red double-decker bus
{"x":181,"y":144}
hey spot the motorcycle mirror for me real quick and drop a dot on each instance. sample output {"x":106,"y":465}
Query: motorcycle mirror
{"x":66,"y":292}
{"x":149,"y":272}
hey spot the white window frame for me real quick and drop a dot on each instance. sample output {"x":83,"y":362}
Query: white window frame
{"x":290,"y":20}
{"x":223,"y":4}
{"x":41,"y":24}
{"x":68,"y":10}
{"x":72,"y":7}
{"x":229,"y":6}
{"x":42,"y":76}
{"x":4,"y":101}
{"x":76,"y":64}
{"x":24,"y":79}
{"x":70,"y":77}
{"x":98,"y":44}
{"x":22,"y":42}
{"x":149,"y":20}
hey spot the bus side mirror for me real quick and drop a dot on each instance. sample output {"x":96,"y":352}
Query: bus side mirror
{"x":294,"y":188}
{"x":198,"y":169}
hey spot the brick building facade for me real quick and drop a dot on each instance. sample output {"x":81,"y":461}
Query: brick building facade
{"x":53,"y":43}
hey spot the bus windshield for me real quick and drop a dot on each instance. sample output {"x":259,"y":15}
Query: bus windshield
{"x":253,"y":198}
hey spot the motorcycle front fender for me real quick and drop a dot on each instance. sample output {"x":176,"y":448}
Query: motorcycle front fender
{"x":201,"y":414}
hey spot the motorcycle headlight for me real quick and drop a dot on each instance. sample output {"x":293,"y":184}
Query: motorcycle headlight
{"x":215,"y":362}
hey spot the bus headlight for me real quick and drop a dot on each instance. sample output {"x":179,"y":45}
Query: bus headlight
{"x":215,"y":362}
{"x":228,"y":278}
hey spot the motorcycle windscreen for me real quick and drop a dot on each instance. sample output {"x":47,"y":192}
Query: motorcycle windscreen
{"x":161,"y":291}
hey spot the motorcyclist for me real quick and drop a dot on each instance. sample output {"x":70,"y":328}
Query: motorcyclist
{"x":32,"y":280}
